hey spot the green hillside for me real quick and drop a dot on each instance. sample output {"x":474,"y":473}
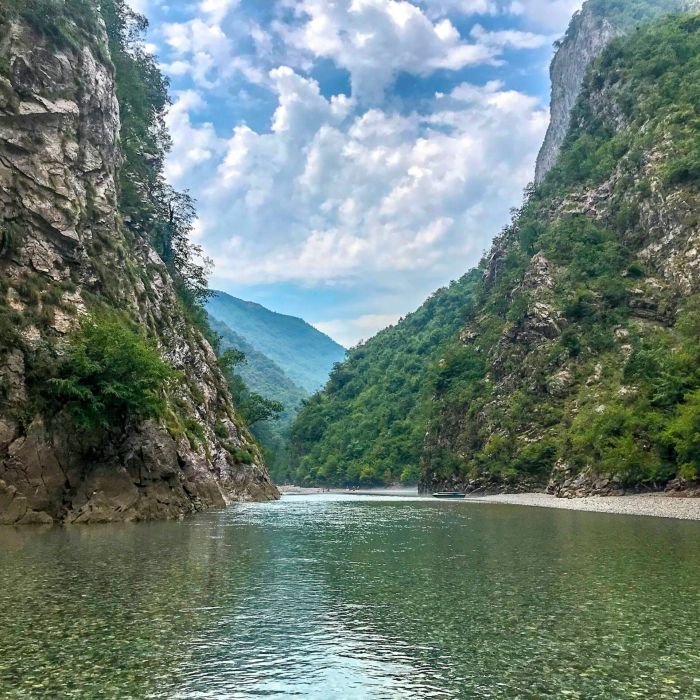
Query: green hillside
{"x":262,"y":376}
{"x":583,"y":359}
{"x":304,"y":354}
{"x":368,"y":424}
{"x":259,"y":372}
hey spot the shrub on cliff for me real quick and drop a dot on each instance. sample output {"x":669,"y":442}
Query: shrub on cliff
{"x":109,"y":374}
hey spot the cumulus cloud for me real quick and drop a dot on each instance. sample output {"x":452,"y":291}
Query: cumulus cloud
{"x":201,"y":49}
{"x":375,"y":40}
{"x":547,"y":15}
{"x":138,"y":5}
{"x":216,"y":10}
{"x":552,"y":15}
{"x":332,"y":195}
{"x":193,"y":146}
{"x":352,"y":192}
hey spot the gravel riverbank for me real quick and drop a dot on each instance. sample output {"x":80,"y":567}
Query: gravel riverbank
{"x":654,"y":505}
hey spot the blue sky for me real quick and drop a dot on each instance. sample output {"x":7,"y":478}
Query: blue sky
{"x":349,"y":157}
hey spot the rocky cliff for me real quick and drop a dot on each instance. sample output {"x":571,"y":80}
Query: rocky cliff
{"x":588,"y":35}
{"x":590,"y":31}
{"x":64,"y":252}
{"x":579,"y":368}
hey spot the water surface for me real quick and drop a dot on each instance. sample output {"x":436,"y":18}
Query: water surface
{"x":354,"y":597}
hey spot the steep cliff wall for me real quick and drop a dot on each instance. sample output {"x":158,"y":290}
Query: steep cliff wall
{"x":590,"y":31}
{"x":65,"y":252}
{"x":588,"y":35}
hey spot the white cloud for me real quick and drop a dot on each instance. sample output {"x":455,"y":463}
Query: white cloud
{"x":193,"y":146}
{"x":508,"y":38}
{"x":329,"y":196}
{"x":140,"y":6}
{"x":546,"y":15}
{"x":348,"y":332}
{"x":440,"y":8}
{"x":344,"y":191}
{"x":217,"y":10}
{"x":550,"y":15}
{"x":377,"y":39}
{"x":202,"y":49}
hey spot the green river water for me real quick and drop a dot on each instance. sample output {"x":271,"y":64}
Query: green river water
{"x":354,"y":597}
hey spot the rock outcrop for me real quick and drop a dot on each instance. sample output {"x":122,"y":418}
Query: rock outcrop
{"x":590,"y":31}
{"x":588,"y":35}
{"x":62,"y":245}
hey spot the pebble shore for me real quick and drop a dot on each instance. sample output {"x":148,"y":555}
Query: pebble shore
{"x":654,"y":505}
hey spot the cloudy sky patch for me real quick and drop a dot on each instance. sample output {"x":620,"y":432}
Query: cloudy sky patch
{"x":350,"y":156}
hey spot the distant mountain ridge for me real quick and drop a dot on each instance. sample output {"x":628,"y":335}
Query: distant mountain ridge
{"x":287,"y":360}
{"x":259,"y":372}
{"x":304,"y":353}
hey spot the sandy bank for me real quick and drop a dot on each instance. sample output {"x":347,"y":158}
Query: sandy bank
{"x":654,"y":505}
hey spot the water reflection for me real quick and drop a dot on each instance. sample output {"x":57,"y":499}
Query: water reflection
{"x":354,"y":597}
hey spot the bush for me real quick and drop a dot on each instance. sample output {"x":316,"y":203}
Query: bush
{"x":109,"y":375}
{"x":683,"y":433}
{"x":242,"y":456}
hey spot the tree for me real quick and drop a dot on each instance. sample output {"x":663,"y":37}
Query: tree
{"x":256,"y":409}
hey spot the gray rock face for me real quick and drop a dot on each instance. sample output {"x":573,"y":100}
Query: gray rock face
{"x":588,"y":35}
{"x":62,"y":243}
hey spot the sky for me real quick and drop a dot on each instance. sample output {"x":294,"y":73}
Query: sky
{"x":349,"y":157}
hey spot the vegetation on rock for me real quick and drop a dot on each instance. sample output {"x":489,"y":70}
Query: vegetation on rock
{"x":591,"y":363}
{"x":107,"y":374}
{"x":107,"y":388}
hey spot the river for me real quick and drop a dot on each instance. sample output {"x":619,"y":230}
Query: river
{"x":349,"y":596}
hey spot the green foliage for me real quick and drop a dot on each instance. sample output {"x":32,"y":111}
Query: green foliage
{"x":618,"y":438}
{"x":65,"y":23}
{"x":368,"y":425}
{"x":242,"y":455}
{"x":253,"y":407}
{"x":683,"y":435}
{"x":107,"y":375}
{"x":231,"y":358}
{"x":258,"y":409}
{"x":260,"y":375}
{"x":149,"y":205}
{"x":654,"y":76}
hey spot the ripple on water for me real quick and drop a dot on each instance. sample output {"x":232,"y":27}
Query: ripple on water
{"x":354,"y":597}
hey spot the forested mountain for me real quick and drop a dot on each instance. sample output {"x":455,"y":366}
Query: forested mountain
{"x":263,"y":377}
{"x":368,"y":425}
{"x":259,"y":372}
{"x":583,"y":349}
{"x":576,"y":363}
{"x":304,"y":354}
{"x":112,"y":403}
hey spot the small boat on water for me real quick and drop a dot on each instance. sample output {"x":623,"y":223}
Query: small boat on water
{"x":448,"y":494}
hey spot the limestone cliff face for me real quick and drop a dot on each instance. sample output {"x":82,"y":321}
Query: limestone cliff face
{"x":63,"y":244}
{"x":588,"y":35}
{"x":590,"y":31}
